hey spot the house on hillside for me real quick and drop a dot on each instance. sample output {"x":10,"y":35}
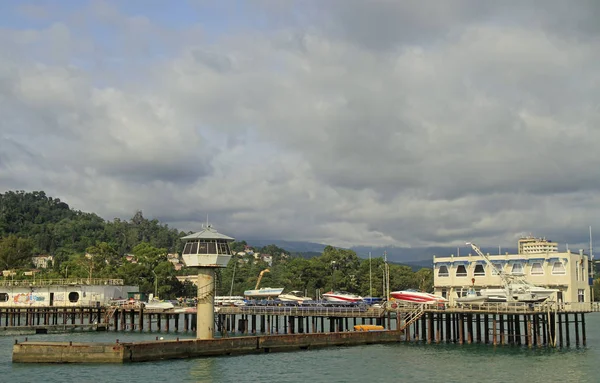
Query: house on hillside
{"x":42,"y":261}
{"x":131,"y":258}
{"x":268,"y":258}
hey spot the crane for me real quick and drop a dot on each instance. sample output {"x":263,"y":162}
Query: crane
{"x":516,"y":287}
{"x":260,"y":277}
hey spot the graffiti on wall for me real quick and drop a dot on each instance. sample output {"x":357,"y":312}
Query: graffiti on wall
{"x":28,"y":298}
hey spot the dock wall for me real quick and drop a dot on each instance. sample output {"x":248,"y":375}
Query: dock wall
{"x":66,"y":352}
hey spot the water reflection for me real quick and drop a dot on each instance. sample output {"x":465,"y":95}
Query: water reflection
{"x":205,"y":370}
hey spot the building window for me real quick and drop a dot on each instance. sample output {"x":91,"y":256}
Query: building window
{"x":3,"y":297}
{"x":187,"y":248}
{"x":580,"y":295}
{"x":558,"y":269}
{"x":537,"y":269}
{"x":223,"y":248}
{"x":461,"y":271}
{"x":73,"y":296}
{"x":517,"y":268}
{"x":212,"y":248}
{"x":443,"y":271}
{"x":497,"y":267}
{"x":479,"y":271}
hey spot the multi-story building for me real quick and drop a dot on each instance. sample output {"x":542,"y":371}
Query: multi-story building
{"x":538,"y":260}
{"x":532,"y":245}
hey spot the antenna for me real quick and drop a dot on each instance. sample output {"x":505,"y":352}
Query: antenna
{"x":591,"y":251}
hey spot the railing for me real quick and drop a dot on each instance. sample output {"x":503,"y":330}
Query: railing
{"x":356,"y":311}
{"x":498,"y":307}
{"x":521,"y":307}
{"x":61,"y":281}
{"x":412,"y":316}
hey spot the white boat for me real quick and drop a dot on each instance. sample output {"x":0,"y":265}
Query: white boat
{"x":471,"y":297}
{"x":228,"y":300}
{"x":158,"y":305}
{"x":264,"y":292}
{"x":341,"y":296}
{"x":515,"y":288}
{"x":513,"y":293}
{"x":416,"y":296}
{"x":294,"y":296}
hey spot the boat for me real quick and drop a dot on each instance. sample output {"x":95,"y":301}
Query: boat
{"x":514,"y":292}
{"x":294,"y":296}
{"x":416,"y":296}
{"x":515,"y":288}
{"x":472,"y":297}
{"x":341,"y":296}
{"x":228,"y":300}
{"x":264,"y":292}
{"x":158,"y":305}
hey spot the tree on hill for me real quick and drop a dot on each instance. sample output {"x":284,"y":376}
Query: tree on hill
{"x":15,"y":252}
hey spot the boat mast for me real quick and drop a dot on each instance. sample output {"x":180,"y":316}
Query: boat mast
{"x":232,"y":278}
{"x":370,"y":280}
{"x":591,"y":267}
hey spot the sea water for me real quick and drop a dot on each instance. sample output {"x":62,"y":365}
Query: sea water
{"x":401,"y":362}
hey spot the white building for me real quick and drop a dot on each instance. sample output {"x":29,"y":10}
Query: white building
{"x":568,"y":272}
{"x":62,"y":292}
{"x":42,"y":261}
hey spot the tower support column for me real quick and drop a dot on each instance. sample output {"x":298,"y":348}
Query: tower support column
{"x":205,"y":312}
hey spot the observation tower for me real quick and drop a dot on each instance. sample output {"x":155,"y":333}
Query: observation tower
{"x":206,"y":250}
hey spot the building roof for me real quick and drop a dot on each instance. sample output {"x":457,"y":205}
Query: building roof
{"x":208,"y":233}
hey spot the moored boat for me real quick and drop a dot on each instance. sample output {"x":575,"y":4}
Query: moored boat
{"x":294,"y":296}
{"x":264,"y":292}
{"x":471,"y":297}
{"x":341,"y":296}
{"x":415,"y":296}
{"x":158,"y":305}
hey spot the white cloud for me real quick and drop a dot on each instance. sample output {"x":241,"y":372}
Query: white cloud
{"x":458,"y":124}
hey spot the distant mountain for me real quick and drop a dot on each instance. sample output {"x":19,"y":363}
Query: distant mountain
{"x":422,"y":256}
{"x":291,"y":246}
{"x":411,"y":256}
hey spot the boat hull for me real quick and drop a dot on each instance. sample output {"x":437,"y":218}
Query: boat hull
{"x":417,"y":297}
{"x":341,"y":297}
{"x":264,"y":292}
{"x":531,"y":296}
{"x":293,"y":296}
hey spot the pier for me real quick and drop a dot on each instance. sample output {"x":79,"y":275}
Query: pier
{"x":283,"y":328}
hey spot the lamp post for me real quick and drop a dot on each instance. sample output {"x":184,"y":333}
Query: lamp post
{"x":155,"y":285}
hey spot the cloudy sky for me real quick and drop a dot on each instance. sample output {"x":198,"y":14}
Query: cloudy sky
{"x":341,"y":122}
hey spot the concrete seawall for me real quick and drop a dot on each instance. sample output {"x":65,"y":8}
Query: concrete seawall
{"x":67,"y":352}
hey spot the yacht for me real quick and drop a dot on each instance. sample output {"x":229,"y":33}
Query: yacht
{"x":341,"y":296}
{"x":294,"y":296}
{"x":416,"y":296}
{"x":264,"y":292}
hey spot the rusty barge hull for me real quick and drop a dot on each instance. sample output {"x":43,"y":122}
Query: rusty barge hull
{"x":69,"y":352}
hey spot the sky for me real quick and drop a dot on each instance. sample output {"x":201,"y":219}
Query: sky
{"x":343,"y":122}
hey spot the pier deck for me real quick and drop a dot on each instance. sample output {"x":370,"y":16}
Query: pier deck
{"x":69,"y":352}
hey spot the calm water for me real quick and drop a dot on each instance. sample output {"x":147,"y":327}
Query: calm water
{"x":374,"y":363}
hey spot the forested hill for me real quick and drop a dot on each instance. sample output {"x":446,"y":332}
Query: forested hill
{"x":32,"y":223}
{"x":54,"y":228}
